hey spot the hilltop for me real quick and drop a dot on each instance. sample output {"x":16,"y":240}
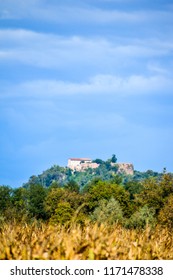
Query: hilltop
{"x":84,"y":170}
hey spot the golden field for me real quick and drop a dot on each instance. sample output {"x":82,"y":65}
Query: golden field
{"x":89,"y":242}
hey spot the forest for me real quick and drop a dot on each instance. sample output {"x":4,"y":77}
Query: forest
{"x":98,"y":214}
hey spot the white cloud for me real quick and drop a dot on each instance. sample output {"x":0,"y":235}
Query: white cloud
{"x":80,"y":11}
{"x":10,"y":9}
{"x":43,"y":10}
{"x":134,"y":84}
{"x":53,"y":51}
{"x":157,"y":69}
{"x":99,"y":84}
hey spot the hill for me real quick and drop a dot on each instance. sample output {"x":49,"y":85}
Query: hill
{"x":106,"y":170}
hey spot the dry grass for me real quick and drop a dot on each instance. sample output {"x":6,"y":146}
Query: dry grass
{"x":92,"y":242}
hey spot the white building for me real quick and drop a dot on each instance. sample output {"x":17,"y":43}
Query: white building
{"x":80,"y":164}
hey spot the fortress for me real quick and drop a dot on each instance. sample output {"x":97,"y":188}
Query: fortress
{"x":80,"y":164}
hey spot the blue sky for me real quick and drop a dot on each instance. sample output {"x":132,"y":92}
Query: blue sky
{"x":85,"y":78}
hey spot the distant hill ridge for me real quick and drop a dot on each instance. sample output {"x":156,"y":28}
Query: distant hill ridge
{"x":84,"y":170}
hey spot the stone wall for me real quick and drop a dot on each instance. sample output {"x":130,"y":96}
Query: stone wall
{"x":126,"y":168}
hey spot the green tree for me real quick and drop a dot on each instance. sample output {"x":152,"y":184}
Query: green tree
{"x":143,"y":217}
{"x":54,"y":185}
{"x":63,"y":213}
{"x":72,"y":186}
{"x":98,"y":161}
{"x":5,"y":199}
{"x":62,"y":195}
{"x":116,"y":179}
{"x":54,"y":196}
{"x":19,"y":200}
{"x":36,"y":197}
{"x":151,"y":195}
{"x":133,"y":187}
{"x":108,"y":211}
{"x":165,"y":216}
{"x":155,"y":192}
{"x":114,"y":158}
{"x":166,"y":184}
{"x":106,"y":190}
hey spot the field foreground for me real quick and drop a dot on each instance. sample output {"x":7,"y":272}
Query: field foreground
{"x":91,"y":242}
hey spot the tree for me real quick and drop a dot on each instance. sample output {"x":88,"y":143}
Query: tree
{"x":155,"y":192}
{"x":72,"y":186}
{"x":63,"y":213}
{"x":108,"y":211}
{"x":54,"y":196}
{"x":150,"y":195}
{"x":106,"y":190}
{"x":141,"y":218}
{"x":54,"y":185}
{"x":116,"y":179}
{"x":98,"y":161}
{"x":165,"y":216}
{"x":133,"y":187}
{"x":19,"y":200}
{"x":114,"y":158}
{"x":75,"y":202}
{"x":5,"y":199}
{"x":37,"y":196}
{"x":166,"y":184}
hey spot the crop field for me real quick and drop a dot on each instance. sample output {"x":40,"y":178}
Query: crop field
{"x":89,"y":242}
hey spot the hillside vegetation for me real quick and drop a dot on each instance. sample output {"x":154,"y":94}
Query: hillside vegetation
{"x":105,"y":171}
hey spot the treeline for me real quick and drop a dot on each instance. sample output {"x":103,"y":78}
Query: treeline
{"x":132,"y":204}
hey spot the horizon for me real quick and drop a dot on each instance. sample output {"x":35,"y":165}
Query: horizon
{"x":85,"y":78}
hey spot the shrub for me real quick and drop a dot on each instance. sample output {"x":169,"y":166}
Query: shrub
{"x":141,"y":218}
{"x":108,"y":212}
{"x":63,"y":213}
{"x":166,"y":214}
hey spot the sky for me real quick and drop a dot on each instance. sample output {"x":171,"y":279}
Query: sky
{"x":85,"y":78}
